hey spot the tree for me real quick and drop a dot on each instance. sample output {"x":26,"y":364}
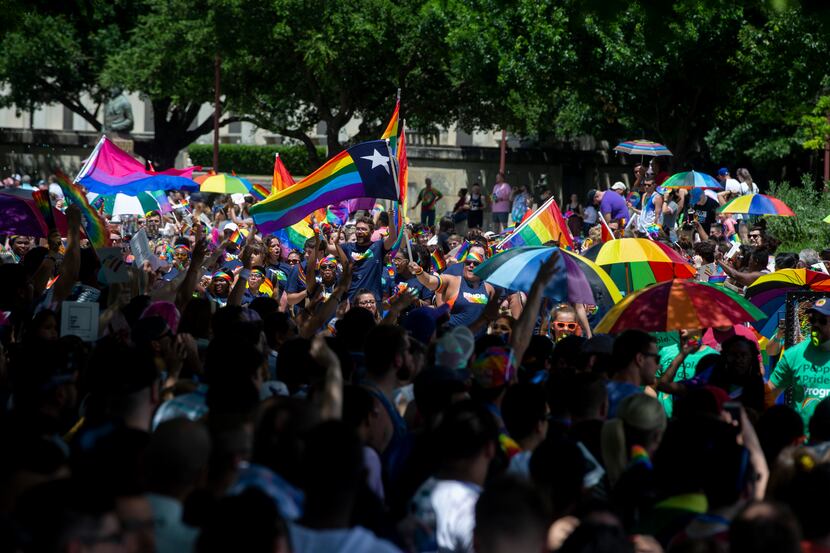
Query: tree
{"x":169,"y":58}
{"x":52,"y":52}
{"x":329,"y":62}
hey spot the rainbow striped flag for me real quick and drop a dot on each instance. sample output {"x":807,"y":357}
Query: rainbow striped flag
{"x":293,"y":237}
{"x":96,"y":229}
{"x":545,"y":224}
{"x":391,"y":131}
{"x":362,"y":171}
{"x":267,"y":288}
{"x":399,"y":207}
{"x":337,"y":214}
{"x":438,"y":261}
{"x":161,"y":198}
{"x":238,"y":237}
{"x":462,"y":252}
{"x":259,"y":191}
{"x":44,"y":205}
{"x":607,"y":233}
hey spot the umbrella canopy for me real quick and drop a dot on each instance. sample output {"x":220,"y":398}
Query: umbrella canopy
{"x":676,"y":305}
{"x":757,"y":204}
{"x":769,"y":294}
{"x":606,"y":294}
{"x":21,"y":216}
{"x":634,"y":263}
{"x":515,"y":269}
{"x":642,"y":148}
{"x":692,"y":179}
{"x":225,"y":184}
{"x":826,"y":219}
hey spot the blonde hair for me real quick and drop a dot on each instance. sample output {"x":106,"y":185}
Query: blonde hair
{"x":636,"y":414}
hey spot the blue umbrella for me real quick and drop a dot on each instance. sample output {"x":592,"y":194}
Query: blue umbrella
{"x":516,"y":268}
{"x":692,"y":180}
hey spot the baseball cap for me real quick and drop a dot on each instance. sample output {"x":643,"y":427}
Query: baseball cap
{"x":618,"y":186}
{"x":822,"y":307}
{"x":230,"y":226}
{"x":723,"y":171}
{"x":422,"y":322}
{"x":454,"y":348}
{"x":589,"y":198}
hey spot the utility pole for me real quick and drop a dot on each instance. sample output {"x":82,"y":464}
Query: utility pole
{"x":217,"y":108}
{"x":502,"y":151}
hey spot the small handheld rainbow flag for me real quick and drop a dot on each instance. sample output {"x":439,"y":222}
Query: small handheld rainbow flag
{"x":96,"y":229}
{"x":266,"y":288}
{"x":543,"y":225}
{"x":462,"y":252}
{"x":44,"y":205}
{"x":238,"y":237}
{"x":438,"y":261}
{"x":259,"y":191}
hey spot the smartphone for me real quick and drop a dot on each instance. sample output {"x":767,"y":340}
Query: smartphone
{"x":734,"y":410}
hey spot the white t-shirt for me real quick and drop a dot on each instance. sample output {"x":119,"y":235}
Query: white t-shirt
{"x":590,"y":215}
{"x":735,"y":187}
{"x":447,"y":509}
{"x":345,"y":540}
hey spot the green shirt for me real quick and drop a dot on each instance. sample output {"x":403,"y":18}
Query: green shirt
{"x":806,"y":368}
{"x":685,"y":371}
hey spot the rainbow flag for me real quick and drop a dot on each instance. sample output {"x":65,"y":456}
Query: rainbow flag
{"x":399,"y":207}
{"x":462,"y":252}
{"x":337,"y":214}
{"x":110,"y":169}
{"x":267,"y":288}
{"x":293,"y":237}
{"x":238,"y":237}
{"x":44,"y":205}
{"x":259,"y":191}
{"x":391,"y":131}
{"x":281,"y":178}
{"x":362,"y":171}
{"x":545,"y":224}
{"x":96,"y":229}
{"x":607,"y":233}
{"x":438,"y":261}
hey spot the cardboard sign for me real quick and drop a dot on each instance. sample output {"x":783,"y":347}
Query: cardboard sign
{"x":80,"y":319}
{"x":140,"y":246}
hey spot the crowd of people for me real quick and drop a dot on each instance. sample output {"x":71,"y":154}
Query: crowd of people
{"x":366,"y":393}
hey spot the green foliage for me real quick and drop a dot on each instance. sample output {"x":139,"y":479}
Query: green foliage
{"x":806,"y":229}
{"x":254,"y":160}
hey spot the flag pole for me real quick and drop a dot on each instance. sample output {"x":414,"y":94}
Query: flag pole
{"x":392,"y":160}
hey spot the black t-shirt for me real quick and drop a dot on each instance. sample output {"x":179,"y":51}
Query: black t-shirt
{"x":707,"y":212}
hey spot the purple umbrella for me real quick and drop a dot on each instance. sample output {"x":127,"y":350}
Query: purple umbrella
{"x":21,"y":216}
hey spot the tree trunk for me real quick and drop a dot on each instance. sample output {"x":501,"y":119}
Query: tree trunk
{"x":333,"y":138}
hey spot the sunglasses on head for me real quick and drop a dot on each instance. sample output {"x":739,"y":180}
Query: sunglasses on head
{"x":560,"y":325}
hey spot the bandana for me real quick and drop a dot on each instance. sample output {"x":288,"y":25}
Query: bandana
{"x":475,"y":256}
{"x":327,"y":259}
{"x":222,"y":275}
{"x":256,"y":272}
{"x":492,"y":368}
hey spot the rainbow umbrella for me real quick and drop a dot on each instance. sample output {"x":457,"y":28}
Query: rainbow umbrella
{"x":757,"y":204}
{"x":634,"y":263}
{"x":224,"y":183}
{"x":642,"y":148}
{"x":676,"y":305}
{"x":692,"y":179}
{"x":769,"y":294}
{"x":515,"y":270}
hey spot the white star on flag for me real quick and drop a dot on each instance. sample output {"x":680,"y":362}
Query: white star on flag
{"x":377,"y":159}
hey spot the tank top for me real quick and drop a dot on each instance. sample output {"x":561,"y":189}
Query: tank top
{"x":469,"y":304}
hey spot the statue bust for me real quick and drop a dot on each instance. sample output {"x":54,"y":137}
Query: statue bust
{"x":118,"y":114}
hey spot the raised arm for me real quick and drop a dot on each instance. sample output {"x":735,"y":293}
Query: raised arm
{"x":392,"y":237}
{"x":522,"y":332}
{"x":430,"y":281}
{"x":71,"y":266}
{"x":185,"y":291}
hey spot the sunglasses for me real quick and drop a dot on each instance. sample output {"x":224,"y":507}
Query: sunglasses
{"x":293,"y":261}
{"x":755,"y":236}
{"x":559,"y":325}
{"x":472,"y":263}
{"x":328,"y":266}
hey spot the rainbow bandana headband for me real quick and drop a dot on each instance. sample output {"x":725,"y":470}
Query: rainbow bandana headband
{"x":256,"y":272}
{"x":474,"y":256}
{"x":222,"y":275}
{"x":327,"y":259}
